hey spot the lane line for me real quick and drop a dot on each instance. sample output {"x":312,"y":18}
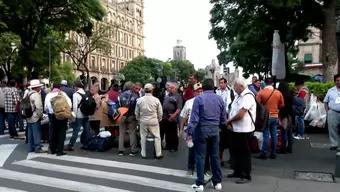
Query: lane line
{"x":5,"y":151}
{"x":149,"y":182}
{"x":56,"y":182}
{"x":6,"y":189}
{"x":119,"y":164}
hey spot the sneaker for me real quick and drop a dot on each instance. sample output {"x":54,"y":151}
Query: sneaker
{"x":40,"y":151}
{"x":272,"y":156}
{"x":218,"y":187}
{"x":132,"y":154}
{"x":121,"y":153}
{"x":242,"y":181}
{"x":159,"y":157}
{"x":190,"y":172}
{"x":298,"y":137}
{"x":68,"y":148}
{"x":197,"y":188}
{"x":333,"y":148}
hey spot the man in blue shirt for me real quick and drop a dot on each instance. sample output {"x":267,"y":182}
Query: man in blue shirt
{"x":332,"y":105}
{"x":208,"y":114}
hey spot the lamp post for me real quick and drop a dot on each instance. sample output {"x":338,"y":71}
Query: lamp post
{"x":49,"y":58}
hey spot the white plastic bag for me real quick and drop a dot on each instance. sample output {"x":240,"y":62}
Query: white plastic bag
{"x":104,"y":134}
{"x":313,"y":111}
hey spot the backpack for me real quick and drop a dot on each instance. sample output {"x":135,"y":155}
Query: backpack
{"x":26,"y":107}
{"x":60,"y":107}
{"x":253,"y":143}
{"x":2,"y":98}
{"x":100,"y":144}
{"x":112,"y":111}
{"x":262,"y":114}
{"x":87,"y":104}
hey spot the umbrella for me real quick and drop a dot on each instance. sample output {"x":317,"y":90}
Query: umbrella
{"x":278,"y":59}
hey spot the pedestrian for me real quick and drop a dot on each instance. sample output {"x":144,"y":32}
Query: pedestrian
{"x":113,"y":94}
{"x":332,"y":105}
{"x":172,"y":106}
{"x":272,"y":99}
{"x":185,"y":119}
{"x":242,"y":123}
{"x":255,"y":87}
{"x":208,"y":114}
{"x":299,"y":107}
{"x":94,"y":119}
{"x":189,"y":90}
{"x":12,"y":99}
{"x":128,"y":99}
{"x":81,"y":120}
{"x":2,"y":108}
{"x":149,"y":113}
{"x":58,"y":127}
{"x":66,"y":89}
{"x":227,"y":95}
{"x":33,"y":122}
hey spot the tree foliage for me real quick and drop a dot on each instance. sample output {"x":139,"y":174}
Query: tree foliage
{"x":63,"y":71}
{"x":32,"y":21}
{"x":244,"y":29}
{"x":8,"y":52}
{"x":182,"y":69}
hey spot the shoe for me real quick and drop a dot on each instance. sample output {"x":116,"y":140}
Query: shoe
{"x":172,"y":150}
{"x":159,"y":157}
{"x":218,"y":187}
{"x":333,"y":148}
{"x":222,"y":163}
{"x":40,"y":151}
{"x":62,"y":153}
{"x":207,"y":174}
{"x":298,"y":137}
{"x":197,"y":188}
{"x":190,"y":172}
{"x":121,"y":153}
{"x":232,"y":175}
{"x":272,"y":156}
{"x":68,"y":148}
{"x":242,"y":181}
{"x":133,"y":154}
{"x":263,"y":157}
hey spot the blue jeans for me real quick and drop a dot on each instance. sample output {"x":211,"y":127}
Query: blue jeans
{"x":271,"y":129}
{"x":287,"y":139}
{"x":34,"y":136}
{"x":2,"y":121}
{"x":300,"y":125}
{"x":210,"y":144}
{"x":79,"y":122}
{"x":11,"y":124}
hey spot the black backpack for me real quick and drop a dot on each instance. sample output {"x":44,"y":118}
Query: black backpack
{"x":26,"y":107}
{"x":87,"y":104}
{"x":262,"y":114}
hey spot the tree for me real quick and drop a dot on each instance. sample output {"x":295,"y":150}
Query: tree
{"x":80,"y":45}
{"x":244,"y":29}
{"x":32,"y":20}
{"x":63,"y":71}
{"x":8,"y":52}
{"x":200,"y":74}
{"x":182,"y":69}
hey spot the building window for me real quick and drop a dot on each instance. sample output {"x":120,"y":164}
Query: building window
{"x":308,"y":58}
{"x":121,"y":52}
{"x":113,"y":65}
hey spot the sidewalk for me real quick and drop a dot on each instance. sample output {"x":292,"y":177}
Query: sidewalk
{"x":279,"y":175}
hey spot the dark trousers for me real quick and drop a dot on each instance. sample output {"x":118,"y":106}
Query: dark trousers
{"x":59,"y":128}
{"x":2,"y":121}
{"x":191,"y":160}
{"x":11,"y":124}
{"x":169,"y":129}
{"x":241,"y":154}
{"x":95,"y":126}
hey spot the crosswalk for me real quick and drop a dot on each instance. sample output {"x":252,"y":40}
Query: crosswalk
{"x":89,"y":174}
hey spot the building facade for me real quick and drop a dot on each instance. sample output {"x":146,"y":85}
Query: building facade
{"x":179,"y":52}
{"x":125,"y":22}
{"x":213,"y":71}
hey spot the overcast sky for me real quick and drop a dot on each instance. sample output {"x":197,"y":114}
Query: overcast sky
{"x":187,"y":20}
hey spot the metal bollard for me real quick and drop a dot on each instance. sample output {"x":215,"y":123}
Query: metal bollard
{"x":337,"y":165}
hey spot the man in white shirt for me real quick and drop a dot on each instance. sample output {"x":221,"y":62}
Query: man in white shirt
{"x":81,"y":120}
{"x":57,"y":129}
{"x":241,"y":122}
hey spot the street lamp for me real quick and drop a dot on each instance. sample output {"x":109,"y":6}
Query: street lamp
{"x":49,"y":58}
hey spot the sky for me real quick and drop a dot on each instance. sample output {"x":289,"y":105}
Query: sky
{"x":187,"y":20}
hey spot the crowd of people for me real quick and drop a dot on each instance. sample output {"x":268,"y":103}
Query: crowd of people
{"x":209,"y":119}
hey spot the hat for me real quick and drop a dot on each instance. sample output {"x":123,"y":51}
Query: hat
{"x":197,"y":86}
{"x":35,"y":83}
{"x":63,"y":82}
{"x":148,"y":86}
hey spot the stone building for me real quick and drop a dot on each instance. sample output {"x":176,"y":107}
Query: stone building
{"x":179,"y":52}
{"x":125,"y":20}
{"x":213,"y":71}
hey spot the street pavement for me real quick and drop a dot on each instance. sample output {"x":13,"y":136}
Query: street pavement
{"x":106,"y":171}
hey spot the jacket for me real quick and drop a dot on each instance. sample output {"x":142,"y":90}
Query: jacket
{"x":37,"y":107}
{"x":149,"y":110}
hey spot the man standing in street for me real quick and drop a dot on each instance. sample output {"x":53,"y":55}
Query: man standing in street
{"x":66,"y":89}
{"x":241,"y":122}
{"x":189,"y":91}
{"x":129,"y":99}
{"x":2,"y":108}
{"x":11,"y":100}
{"x":332,"y":105}
{"x":149,"y":113}
{"x":33,"y":122}
{"x":207,"y":116}
{"x":227,"y":95}
{"x":273,"y":100}
{"x":172,"y":106}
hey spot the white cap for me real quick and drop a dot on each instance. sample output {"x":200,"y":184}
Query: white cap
{"x":63,"y":82}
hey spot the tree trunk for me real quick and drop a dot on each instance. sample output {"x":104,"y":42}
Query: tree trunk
{"x":329,"y":46}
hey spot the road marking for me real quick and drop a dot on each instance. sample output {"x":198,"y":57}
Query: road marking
{"x":5,"y":189}
{"x":56,"y":182}
{"x":119,"y":164}
{"x":149,"y":182}
{"x":5,"y":151}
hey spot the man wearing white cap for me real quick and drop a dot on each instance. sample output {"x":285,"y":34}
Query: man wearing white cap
{"x":149,"y":113}
{"x":33,"y":122}
{"x":68,"y":90}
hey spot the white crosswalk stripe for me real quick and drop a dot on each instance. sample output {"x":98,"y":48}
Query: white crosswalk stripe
{"x":6,"y":189}
{"x":50,"y":164}
{"x":5,"y":151}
